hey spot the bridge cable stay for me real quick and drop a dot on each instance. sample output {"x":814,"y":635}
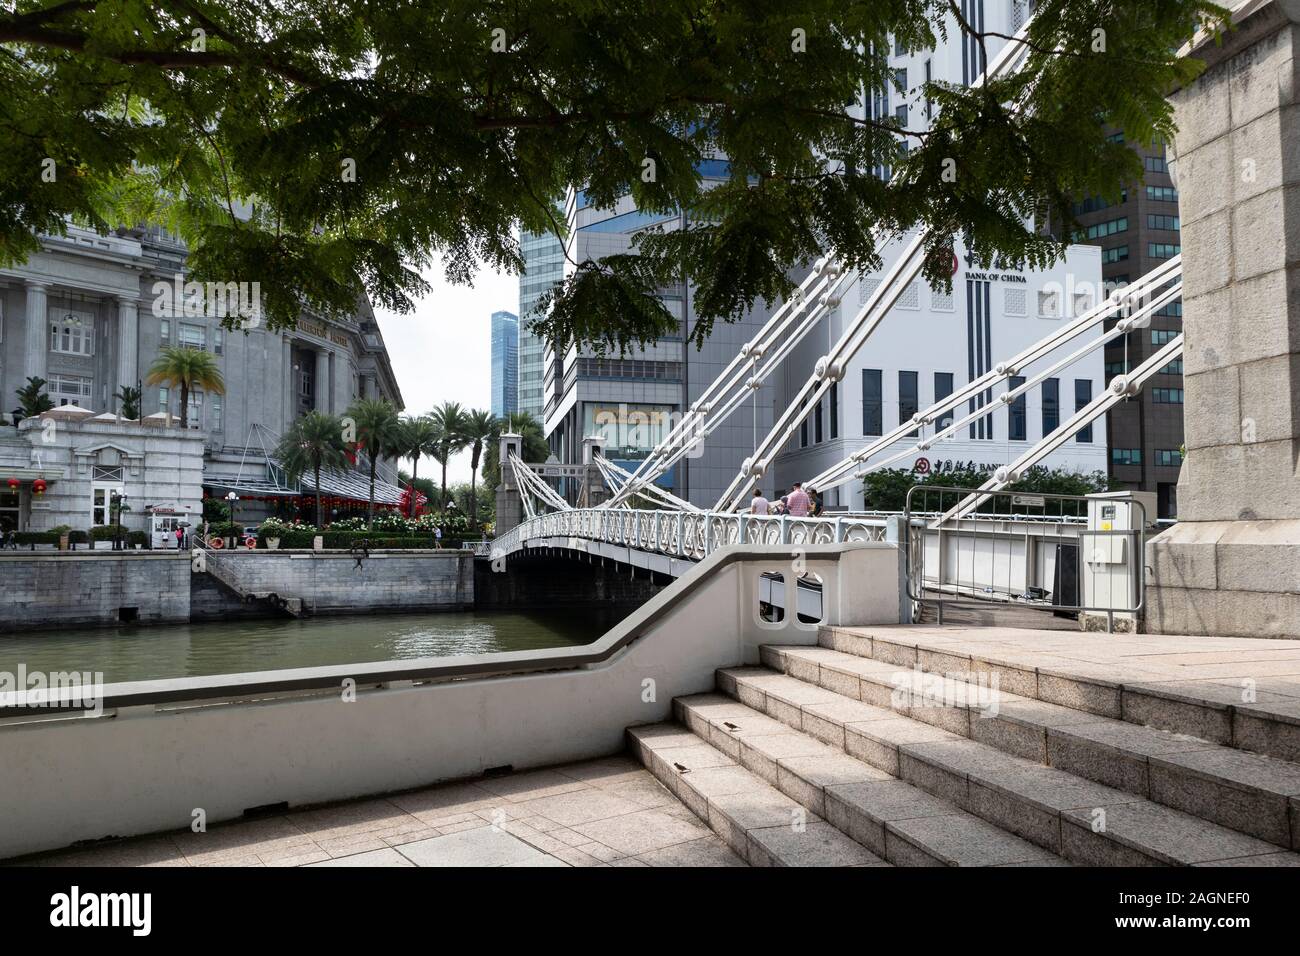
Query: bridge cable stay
{"x":1122,"y":301}
{"x":617,"y":477}
{"x":1120,"y":388}
{"x":704,"y":414}
{"x":529,"y":480}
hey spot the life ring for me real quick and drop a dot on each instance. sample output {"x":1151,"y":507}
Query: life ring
{"x":217,"y":543}
{"x":250,"y":543}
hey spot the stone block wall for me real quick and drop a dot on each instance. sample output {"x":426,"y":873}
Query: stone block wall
{"x":79,"y":589}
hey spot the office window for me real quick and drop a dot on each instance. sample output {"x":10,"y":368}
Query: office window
{"x":1013,"y":301}
{"x":1051,"y":405}
{"x":195,"y":406}
{"x":1101,"y":230}
{"x":1173,"y":309}
{"x":1169,"y":457}
{"x":164,"y":398}
{"x":165,"y":332}
{"x":1126,"y":456}
{"x":1167,"y":396}
{"x":1163,"y":336}
{"x":1170,"y":223}
{"x":872,"y":404}
{"x":817,"y":423}
{"x":909,"y":399}
{"x":219,"y":340}
{"x":1017,"y":427}
{"x":1116,"y":368}
{"x":191,"y":336}
{"x":803,"y":427}
{"x":69,"y":390}
{"x":835,"y":410}
{"x":1162,"y":194}
{"x":900,"y":114}
{"x":73,"y":333}
{"x":928,"y":75}
{"x":1163,"y":250}
{"x":1173,"y":368}
{"x":900,"y":50}
{"x":1117,"y":254}
{"x":1156,"y":164}
{"x":1082,"y":396}
{"x":942,"y":389}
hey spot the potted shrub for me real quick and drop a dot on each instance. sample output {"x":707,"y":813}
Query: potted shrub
{"x":61,"y":531}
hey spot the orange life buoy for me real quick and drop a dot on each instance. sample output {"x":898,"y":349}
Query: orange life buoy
{"x":250,"y":542}
{"x":217,"y":543}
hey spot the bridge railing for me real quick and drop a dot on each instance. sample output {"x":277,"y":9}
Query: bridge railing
{"x":687,"y":534}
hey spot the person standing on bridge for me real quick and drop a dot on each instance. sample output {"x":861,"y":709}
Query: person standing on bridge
{"x":798,"y":503}
{"x":759,"y":505}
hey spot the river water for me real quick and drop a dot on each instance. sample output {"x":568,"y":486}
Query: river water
{"x":195,"y":650}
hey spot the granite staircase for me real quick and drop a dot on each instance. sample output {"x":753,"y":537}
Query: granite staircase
{"x":901,"y":746}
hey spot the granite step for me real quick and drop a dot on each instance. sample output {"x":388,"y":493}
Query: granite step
{"x":1252,"y":793}
{"x":1235,"y":692}
{"x":759,"y":822}
{"x":1081,"y":820}
{"x":891,"y":818}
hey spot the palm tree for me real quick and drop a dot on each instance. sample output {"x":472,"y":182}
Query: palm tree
{"x":128,"y":397}
{"x":480,"y":426}
{"x":377,"y":425}
{"x":31,"y":400}
{"x":415,"y":437}
{"x":450,"y":419}
{"x":314,"y":441}
{"x":186,"y":369}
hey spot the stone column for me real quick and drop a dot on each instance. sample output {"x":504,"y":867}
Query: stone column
{"x":127,"y":352}
{"x":38,"y":329}
{"x":510,"y":509}
{"x":322,"y":380}
{"x":1231,"y":565}
{"x":286,"y":389}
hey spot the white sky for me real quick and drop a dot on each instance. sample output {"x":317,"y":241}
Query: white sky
{"x":442,"y":351}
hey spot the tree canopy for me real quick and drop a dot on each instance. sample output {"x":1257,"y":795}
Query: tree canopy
{"x":330,"y":148}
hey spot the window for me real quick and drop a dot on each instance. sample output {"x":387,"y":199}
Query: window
{"x":929,"y":114}
{"x":219,"y":340}
{"x":1082,"y":396}
{"x":900,"y":114}
{"x":900,"y":50}
{"x":1082,"y":302}
{"x":817,"y":422}
{"x":1117,"y":254}
{"x":1169,"y":457}
{"x":910,"y":298}
{"x":70,"y":390}
{"x":872,"y":406}
{"x":1013,"y":301}
{"x":1096,"y":203}
{"x":1017,"y":426}
{"x":1163,"y":222}
{"x":941,"y":301}
{"x":102,"y":510}
{"x":164,"y":398}
{"x":866,"y":287}
{"x":835,"y":410}
{"x":1162,"y":194}
{"x":1173,"y":368}
{"x":106,"y":473}
{"x":1163,"y":336}
{"x":1167,"y":396}
{"x":1173,"y":309}
{"x":1156,"y":164}
{"x":1116,"y":368}
{"x":1051,"y":405}
{"x":191,"y":336}
{"x":1049,"y":304}
{"x":1103,"y":229}
{"x":194,"y":414}
{"x":1163,"y":250}
{"x":165,"y":332}
{"x":803,"y":427}
{"x":73,"y":333}
{"x":1126,"y":456}
{"x":908,"y":399}
{"x":942,"y":389}
{"x":216,"y":413}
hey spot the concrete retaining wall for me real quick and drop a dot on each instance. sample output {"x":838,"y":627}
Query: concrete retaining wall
{"x":87,"y":588}
{"x":561,"y":580}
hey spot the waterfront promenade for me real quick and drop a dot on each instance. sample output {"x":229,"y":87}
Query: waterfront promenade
{"x":608,"y":812}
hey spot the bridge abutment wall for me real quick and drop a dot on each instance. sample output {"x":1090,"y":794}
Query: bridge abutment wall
{"x":560,"y":580}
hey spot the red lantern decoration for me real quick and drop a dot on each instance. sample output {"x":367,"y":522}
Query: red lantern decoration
{"x":38,"y":487}
{"x":13,"y":484}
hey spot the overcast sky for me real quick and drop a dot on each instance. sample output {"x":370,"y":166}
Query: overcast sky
{"x":442,"y":351}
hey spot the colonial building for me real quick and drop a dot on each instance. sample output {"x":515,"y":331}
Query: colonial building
{"x":90,"y":313}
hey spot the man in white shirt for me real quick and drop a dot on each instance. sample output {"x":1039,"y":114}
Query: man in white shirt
{"x":759,"y":505}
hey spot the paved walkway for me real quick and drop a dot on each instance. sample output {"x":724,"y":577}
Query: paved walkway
{"x":608,"y":812}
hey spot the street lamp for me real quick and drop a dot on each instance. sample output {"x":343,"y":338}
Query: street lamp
{"x":232,"y":498}
{"x":118,"y":501}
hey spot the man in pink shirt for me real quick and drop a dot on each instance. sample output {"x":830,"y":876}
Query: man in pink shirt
{"x":798,"y":501}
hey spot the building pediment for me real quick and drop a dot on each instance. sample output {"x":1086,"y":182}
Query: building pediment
{"x":107,"y":455}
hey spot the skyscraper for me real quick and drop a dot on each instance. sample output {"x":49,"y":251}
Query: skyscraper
{"x":543,"y":269}
{"x":505,"y":363}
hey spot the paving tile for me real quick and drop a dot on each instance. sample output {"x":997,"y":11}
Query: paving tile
{"x":444,"y":801}
{"x":519,"y":787}
{"x":540,"y":861}
{"x":633,"y":834}
{"x":348,"y":818}
{"x":385,"y":857}
{"x":482,"y":847}
{"x":575,"y":857}
{"x":297,"y":856}
{"x":605,"y":772}
{"x":580,"y":806}
{"x":706,"y":851}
